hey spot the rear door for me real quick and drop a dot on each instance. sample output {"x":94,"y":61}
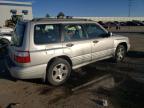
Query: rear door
{"x":102,"y":45}
{"x":76,"y":44}
{"x":46,"y":43}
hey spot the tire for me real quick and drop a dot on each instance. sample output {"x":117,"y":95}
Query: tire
{"x":120,"y":53}
{"x":58,"y":72}
{"x":4,"y":42}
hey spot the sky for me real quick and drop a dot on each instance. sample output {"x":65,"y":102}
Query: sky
{"x":87,"y":7}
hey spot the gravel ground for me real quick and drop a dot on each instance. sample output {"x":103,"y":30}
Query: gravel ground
{"x":35,"y":94}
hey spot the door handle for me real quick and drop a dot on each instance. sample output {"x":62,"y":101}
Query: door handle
{"x":69,"y":45}
{"x":95,"y":41}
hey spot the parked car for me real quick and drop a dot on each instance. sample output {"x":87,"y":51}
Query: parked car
{"x":5,"y":30}
{"x":50,"y":48}
{"x":111,"y":24}
{"x":5,"y":35}
{"x":132,"y":23}
{"x":139,"y":23}
{"x":5,"y":39}
{"x":123,"y":24}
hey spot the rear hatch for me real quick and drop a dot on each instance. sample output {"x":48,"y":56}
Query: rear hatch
{"x":17,"y":48}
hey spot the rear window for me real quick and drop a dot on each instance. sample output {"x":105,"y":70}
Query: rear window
{"x":46,"y":33}
{"x":17,"y":38}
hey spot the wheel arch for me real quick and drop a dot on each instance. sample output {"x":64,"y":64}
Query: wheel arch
{"x":54,"y":58}
{"x":117,"y":43}
{"x":124,"y":44}
{"x":62,"y":56}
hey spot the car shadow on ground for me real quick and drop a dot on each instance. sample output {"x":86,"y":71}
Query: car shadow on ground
{"x":130,"y":55}
{"x":128,"y":94}
{"x":4,"y":73}
{"x":135,"y":54}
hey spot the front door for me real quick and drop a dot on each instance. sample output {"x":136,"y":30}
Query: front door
{"x":102,"y":45}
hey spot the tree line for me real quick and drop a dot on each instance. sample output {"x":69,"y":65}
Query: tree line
{"x":59,"y":15}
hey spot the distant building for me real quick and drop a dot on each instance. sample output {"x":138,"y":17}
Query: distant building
{"x":9,"y":8}
{"x":105,"y":19}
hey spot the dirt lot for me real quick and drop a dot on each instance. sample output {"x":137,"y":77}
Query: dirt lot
{"x":130,"y":29}
{"x":127,"y":93}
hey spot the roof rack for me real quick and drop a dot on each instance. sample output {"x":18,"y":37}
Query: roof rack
{"x":68,"y":18}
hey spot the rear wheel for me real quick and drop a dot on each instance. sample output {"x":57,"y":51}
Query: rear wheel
{"x":120,"y":53}
{"x":58,"y":72}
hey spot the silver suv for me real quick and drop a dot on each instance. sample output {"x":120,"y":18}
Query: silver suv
{"x":50,"y":48}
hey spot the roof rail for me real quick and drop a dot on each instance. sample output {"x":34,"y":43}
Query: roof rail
{"x":68,"y":18}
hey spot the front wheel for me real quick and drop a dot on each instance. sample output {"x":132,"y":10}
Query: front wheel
{"x":58,"y":72}
{"x":120,"y":53}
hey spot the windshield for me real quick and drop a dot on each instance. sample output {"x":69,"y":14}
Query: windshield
{"x":18,"y":34}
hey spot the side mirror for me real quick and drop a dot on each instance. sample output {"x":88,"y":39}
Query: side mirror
{"x":110,"y":34}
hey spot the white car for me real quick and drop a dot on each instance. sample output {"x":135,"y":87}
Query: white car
{"x":6,"y":30}
{"x":5,"y":35}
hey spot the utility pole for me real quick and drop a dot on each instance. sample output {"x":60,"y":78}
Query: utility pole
{"x":129,"y":6}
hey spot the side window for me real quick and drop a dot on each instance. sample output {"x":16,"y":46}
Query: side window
{"x":94,"y":31}
{"x":74,"y":33}
{"x":45,"y":34}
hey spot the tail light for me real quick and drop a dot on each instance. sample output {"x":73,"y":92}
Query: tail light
{"x":22,"y":56}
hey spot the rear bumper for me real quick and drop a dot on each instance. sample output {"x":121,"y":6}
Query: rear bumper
{"x":31,"y":72}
